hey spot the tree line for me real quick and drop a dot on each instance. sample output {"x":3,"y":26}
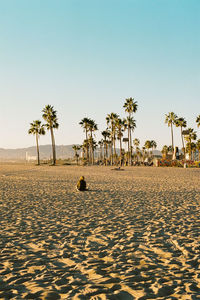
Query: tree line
{"x":189,"y":135}
{"x":116,"y":129}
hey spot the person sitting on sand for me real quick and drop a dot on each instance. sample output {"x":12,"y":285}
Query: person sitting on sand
{"x":81,"y":184}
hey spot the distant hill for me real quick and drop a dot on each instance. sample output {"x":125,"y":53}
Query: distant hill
{"x":62,"y":152}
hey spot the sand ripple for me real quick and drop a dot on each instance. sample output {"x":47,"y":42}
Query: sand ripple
{"x":134,"y":235}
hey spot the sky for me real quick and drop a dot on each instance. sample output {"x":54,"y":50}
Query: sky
{"x":86,"y":57}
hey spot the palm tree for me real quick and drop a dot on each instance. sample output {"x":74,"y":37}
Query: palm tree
{"x":76,"y":148}
{"x":50,"y":116}
{"x":153,"y":145}
{"x":198,"y":147}
{"x":85,"y":124}
{"x":92,"y":127}
{"x":130,"y":107}
{"x":101,"y":147}
{"x":93,"y":145}
{"x":165,"y":150}
{"x":111,"y":122}
{"x":147,"y":145}
{"x":143,"y":153}
{"x":136,"y":143}
{"x":191,"y":135}
{"x":170,"y":119}
{"x":190,"y":149}
{"x":120,"y":125}
{"x":106,"y":135}
{"x":181,"y":122}
{"x":37,"y":129}
{"x":198,"y":121}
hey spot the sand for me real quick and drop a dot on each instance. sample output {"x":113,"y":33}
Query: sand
{"x":134,"y":235}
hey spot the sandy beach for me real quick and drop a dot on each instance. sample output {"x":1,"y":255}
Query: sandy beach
{"x":134,"y":235}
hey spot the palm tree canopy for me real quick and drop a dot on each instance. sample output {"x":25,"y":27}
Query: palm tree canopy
{"x":153,"y":144}
{"x":192,"y":135}
{"x":147,"y":144}
{"x":130,"y":105}
{"x":131,"y":122}
{"x":92,"y":126}
{"x":50,"y":116}
{"x":165,"y":149}
{"x":120,"y":126}
{"x":136,"y":142}
{"x":112,"y":118}
{"x":36,"y":128}
{"x":198,"y":121}
{"x":76,"y":147}
{"x":180,"y":122}
{"x":106,"y":134}
{"x":170,"y":118}
{"x":198,"y":145}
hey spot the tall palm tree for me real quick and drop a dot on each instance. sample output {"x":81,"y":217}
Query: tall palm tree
{"x":190,"y":149}
{"x":93,"y":145}
{"x":198,"y":147}
{"x":92,"y":127}
{"x":143,"y":153}
{"x":106,"y":135}
{"x":181,"y":122}
{"x":85,"y":124}
{"x":170,"y":120}
{"x":120,"y":125}
{"x":130,"y":107}
{"x":37,"y":129}
{"x":50,"y":116}
{"x":111,"y":122}
{"x":131,"y":125}
{"x":76,"y":148}
{"x":191,"y":136}
{"x":198,"y":121}
{"x":136,"y":143}
{"x":153,"y":145}
{"x":147,"y":145}
{"x":165,"y":150}
{"x":100,"y":143}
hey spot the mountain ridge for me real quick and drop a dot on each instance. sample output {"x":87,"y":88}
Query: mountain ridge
{"x":62,"y":152}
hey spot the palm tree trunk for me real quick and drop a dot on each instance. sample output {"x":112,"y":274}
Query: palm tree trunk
{"x":130,"y":148}
{"x":114,"y":148}
{"x":53,"y":147}
{"x":120,"y":146}
{"x":128,"y":144}
{"x":182,"y":141}
{"x":111,"y":151}
{"x":104,"y":151}
{"x":87,"y":152}
{"x":38,"y":154}
{"x":172,"y":139}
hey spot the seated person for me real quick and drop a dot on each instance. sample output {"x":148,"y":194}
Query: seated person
{"x":81,"y":184}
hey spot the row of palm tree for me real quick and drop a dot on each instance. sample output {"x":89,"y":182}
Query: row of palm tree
{"x":115,"y":130}
{"x":49,"y":114}
{"x":188,"y":135}
{"x":116,"y":127}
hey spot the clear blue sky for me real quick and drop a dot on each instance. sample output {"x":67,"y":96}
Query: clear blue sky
{"x":86,"y":57}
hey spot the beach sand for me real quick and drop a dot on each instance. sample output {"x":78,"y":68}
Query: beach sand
{"x":134,"y":235}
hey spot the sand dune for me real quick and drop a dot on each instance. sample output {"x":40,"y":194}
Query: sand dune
{"x":134,"y":235}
